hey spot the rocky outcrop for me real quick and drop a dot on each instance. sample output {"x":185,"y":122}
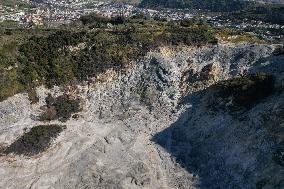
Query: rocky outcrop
{"x":150,"y":127}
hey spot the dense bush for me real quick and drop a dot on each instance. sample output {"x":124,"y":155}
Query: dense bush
{"x":65,"y":106}
{"x":9,"y":83}
{"x":240,"y":93}
{"x":9,"y":76}
{"x":33,"y":96}
{"x":199,"y":36}
{"x":61,"y":107}
{"x":37,"y":140}
{"x":40,"y":58}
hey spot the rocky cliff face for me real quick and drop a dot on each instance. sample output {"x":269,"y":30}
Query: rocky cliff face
{"x":151,"y":127}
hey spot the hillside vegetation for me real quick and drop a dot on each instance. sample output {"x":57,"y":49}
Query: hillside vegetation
{"x":37,"y":140}
{"x":58,"y":57}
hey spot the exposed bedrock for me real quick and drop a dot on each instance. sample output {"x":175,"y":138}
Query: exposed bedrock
{"x":152,"y":127}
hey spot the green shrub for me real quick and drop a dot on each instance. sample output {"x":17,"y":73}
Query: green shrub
{"x":48,"y":114}
{"x":65,"y":106}
{"x":61,"y":108}
{"x":37,"y":140}
{"x":243,"y":91}
{"x":33,"y":96}
{"x":40,"y":63}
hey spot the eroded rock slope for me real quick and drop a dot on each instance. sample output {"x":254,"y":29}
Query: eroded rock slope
{"x":151,"y":127}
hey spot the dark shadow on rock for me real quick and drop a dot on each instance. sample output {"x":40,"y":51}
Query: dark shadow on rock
{"x":224,"y":152}
{"x":197,"y":154}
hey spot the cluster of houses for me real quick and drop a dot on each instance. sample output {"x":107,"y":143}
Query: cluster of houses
{"x":51,"y":11}
{"x":262,"y":29}
{"x":65,"y":11}
{"x":57,"y":12}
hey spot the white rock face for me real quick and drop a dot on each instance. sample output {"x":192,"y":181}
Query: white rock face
{"x":149,"y":128}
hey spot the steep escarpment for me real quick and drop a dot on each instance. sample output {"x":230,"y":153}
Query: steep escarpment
{"x":151,"y":127}
{"x":228,"y":145}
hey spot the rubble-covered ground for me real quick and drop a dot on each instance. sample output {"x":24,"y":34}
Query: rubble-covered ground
{"x":160,"y":124}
